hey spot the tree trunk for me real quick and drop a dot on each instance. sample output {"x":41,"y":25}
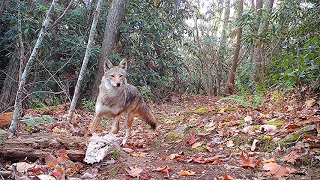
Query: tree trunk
{"x":17,"y":110}
{"x":21,"y":46}
{"x":230,"y":88}
{"x":85,"y":61}
{"x":10,"y":86}
{"x":111,"y":31}
{"x":223,"y":43}
{"x":258,"y":56}
{"x":2,"y":7}
{"x":36,"y":145}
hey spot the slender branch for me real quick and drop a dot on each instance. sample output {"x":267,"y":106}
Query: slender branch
{"x":22,"y":57}
{"x":85,"y":61}
{"x":17,"y":110}
{"x":59,"y":18}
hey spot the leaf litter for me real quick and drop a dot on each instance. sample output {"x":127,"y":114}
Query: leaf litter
{"x":220,"y":139}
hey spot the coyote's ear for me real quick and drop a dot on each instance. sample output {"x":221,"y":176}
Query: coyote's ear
{"x":123,"y":64}
{"x":107,"y":65}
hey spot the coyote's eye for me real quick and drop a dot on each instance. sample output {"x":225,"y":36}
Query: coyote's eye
{"x":120,"y":75}
{"x":112,"y":76}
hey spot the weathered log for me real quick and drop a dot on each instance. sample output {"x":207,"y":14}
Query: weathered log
{"x":36,"y":145}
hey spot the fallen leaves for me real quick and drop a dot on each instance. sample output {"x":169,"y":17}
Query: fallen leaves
{"x":248,"y":162}
{"x":292,"y":157}
{"x":277,"y":170}
{"x":186,"y":173}
{"x":197,"y":144}
{"x":134,"y":172}
{"x":164,"y":169}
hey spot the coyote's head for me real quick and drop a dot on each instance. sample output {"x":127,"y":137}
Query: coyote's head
{"x":115,"y":76}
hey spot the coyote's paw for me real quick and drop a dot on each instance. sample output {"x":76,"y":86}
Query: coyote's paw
{"x":124,"y":141}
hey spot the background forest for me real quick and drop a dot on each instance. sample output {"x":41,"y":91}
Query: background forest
{"x":217,"y":47}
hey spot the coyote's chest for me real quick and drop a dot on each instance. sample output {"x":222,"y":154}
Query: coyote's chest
{"x":111,"y":105}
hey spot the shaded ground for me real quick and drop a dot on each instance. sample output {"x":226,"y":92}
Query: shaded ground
{"x":206,"y":137}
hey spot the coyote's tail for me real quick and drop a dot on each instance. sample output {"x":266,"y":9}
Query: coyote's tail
{"x":147,"y":116}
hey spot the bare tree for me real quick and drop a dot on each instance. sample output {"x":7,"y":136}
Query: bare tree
{"x":17,"y":104}
{"x":111,"y":31}
{"x":230,"y":84}
{"x":85,"y":61}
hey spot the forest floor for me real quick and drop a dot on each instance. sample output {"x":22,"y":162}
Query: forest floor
{"x":197,"y":138}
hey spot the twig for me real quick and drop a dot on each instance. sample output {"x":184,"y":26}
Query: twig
{"x":59,"y":18}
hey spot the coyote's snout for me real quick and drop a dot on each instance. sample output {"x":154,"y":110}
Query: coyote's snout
{"x":116,"y":97}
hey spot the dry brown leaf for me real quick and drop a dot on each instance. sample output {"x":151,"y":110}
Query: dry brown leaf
{"x":174,"y":156}
{"x":226,"y":177}
{"x":310,"y":102}
{"x":62,"y":156}
{"x":292,"y":157}
{"x":247,"y":162}
{"x":164,"y":169}
{"x":134,"y":172}
{"x":139,"y":154}
{"x":269,"y":160}
{"x":197,"y":144}
{"x":192,"y":138}
{"x":128,"y":150}
{"x":186,"y":173}
{"x":23,"y":166}
{"x":277,"y":170}
{"x":51,"y":161}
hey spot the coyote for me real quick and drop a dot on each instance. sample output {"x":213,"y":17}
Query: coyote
{"x":117,"y":97}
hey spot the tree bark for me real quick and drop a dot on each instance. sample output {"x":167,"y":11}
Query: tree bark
{"x":21,"y":46}
{"x":36,"y":145}
{"x":111,"y":31}
{"x":230,"y":88}
{"x":10,"y":86}
{"x":222,"y":47}
{"x":17,"y":110}
{"x":258,"y":50}
{"x":2,"y":7}
{"x":85,"y":61}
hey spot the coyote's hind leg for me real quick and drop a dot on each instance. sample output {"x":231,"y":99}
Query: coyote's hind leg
{"x":129,"y":122}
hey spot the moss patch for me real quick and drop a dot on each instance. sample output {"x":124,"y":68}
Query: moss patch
{"x":173,"y":136}
{"x":201,"y":149}
{"x":201,"y":110}
{"x":278,"y":122}
{"x":241,"y":139}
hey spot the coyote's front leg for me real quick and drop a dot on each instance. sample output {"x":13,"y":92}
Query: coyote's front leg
{"x":95,"y":122}
{"x":115,"y":126}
